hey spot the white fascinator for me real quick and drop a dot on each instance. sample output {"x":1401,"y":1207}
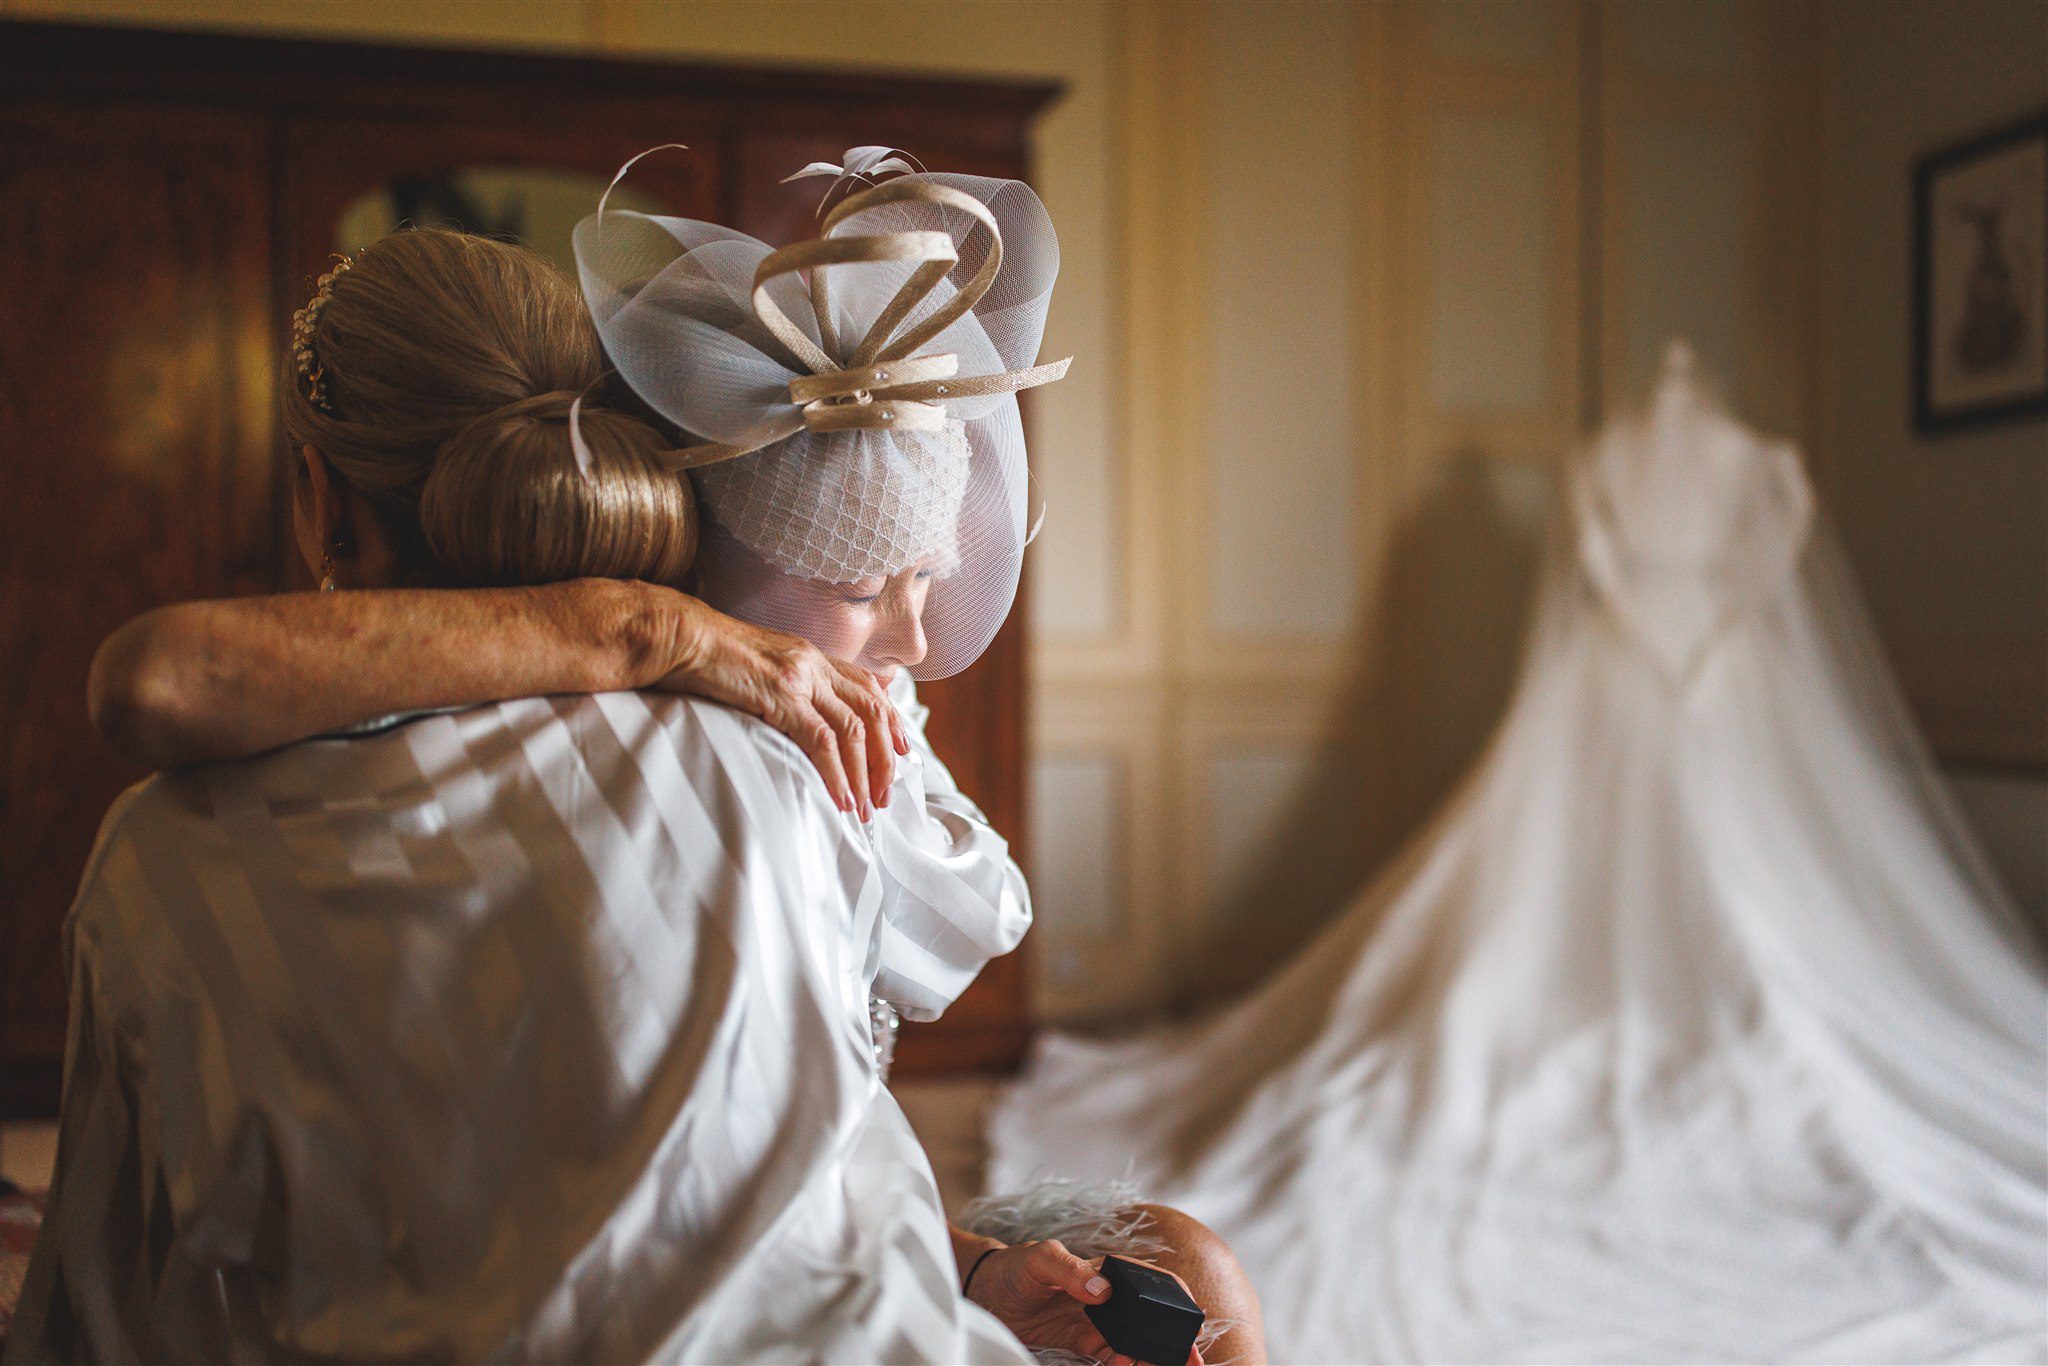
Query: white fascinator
{"x":852,"y":398}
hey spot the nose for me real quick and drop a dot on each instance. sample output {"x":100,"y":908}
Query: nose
{"x":900,"y":643}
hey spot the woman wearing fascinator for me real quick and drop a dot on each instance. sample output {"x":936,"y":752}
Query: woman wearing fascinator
{"x":556,"y":1028}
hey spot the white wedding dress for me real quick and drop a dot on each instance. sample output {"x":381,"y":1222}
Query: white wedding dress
{"x":534,"y":1032}
{"x":1692,"y":1028}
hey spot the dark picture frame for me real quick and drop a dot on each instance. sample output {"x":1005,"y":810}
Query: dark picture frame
{"x":1980,"y":279}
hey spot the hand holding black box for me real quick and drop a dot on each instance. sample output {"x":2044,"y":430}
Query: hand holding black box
{"x":1147,"y":1315}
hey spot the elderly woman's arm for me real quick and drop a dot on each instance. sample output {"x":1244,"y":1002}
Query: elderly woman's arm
{"x":205,"y":681}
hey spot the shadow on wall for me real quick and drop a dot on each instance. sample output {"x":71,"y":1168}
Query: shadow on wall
{"x":1437,"y":657}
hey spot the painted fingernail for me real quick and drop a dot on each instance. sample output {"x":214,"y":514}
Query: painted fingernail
{"x":1097,"y":1286}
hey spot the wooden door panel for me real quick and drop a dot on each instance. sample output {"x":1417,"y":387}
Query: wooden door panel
{"x":136,"y":453}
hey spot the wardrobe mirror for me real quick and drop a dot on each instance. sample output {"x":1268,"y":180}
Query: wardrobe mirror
{"x":538,"y":206}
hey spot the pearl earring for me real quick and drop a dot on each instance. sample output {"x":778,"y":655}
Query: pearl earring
{"x":327,"y":583}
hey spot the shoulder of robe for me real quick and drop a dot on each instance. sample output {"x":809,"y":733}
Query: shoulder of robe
{"x":630,"y":737}
{"x":159,"y":802}
{"x":714,"y":743}
{"x":157,"y":798}
{"x":747,"y":742}
{"x":755,"y":739}
{"x":717,"y":743}
{"x":743,"y":741}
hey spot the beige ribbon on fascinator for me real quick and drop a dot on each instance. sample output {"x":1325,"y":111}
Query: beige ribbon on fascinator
{"x":882,"y":386}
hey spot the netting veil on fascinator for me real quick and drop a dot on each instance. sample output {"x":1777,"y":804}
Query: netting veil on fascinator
{"x":852,"y":398}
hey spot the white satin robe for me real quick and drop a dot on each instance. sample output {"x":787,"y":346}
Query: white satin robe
{"x":536,"y":1032}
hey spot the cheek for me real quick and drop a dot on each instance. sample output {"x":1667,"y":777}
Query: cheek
{"x":843,"y":632}
{"x":766,"y":598}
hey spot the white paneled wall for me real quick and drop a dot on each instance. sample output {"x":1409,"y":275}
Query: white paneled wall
{"x":1511,"y":33}
{"x":1077,"y":796}
{"x":1709,"y":198}
{"x":1689,"y":188}
{"x":1494,"y":206}
{"x":1278,"y":544}
{"x":1706,"y":38}
{"x":1249,"y":788}
{"x":1384,"y":263}
{"x":1100,"y":874}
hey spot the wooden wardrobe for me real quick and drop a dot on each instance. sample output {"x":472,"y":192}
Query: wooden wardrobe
{"x":166,"y":200}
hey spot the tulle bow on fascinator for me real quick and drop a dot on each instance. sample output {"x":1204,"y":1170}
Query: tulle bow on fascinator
{"x":851,"y":399}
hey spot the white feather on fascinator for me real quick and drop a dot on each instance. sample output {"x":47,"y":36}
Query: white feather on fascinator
{"x":852,"y":397}
{"x":859,"y":163}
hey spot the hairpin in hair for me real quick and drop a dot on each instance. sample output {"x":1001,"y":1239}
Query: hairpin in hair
{"x":312,"y":374}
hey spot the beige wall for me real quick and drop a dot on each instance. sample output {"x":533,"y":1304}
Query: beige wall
{"x":1949,"y":534}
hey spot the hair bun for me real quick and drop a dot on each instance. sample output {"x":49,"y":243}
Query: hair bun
{"x":507,"y":502}
{"x":552,"y":406}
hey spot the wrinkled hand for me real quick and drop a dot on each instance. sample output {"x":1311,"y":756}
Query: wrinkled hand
{"x":839,"y":713}
{"x":1037,"y":1290}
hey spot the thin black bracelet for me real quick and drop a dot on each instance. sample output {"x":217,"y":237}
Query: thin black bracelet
{"x":976,"y":1267}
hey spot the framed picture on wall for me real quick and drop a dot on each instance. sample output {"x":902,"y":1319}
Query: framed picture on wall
{"x":1980,"y":343}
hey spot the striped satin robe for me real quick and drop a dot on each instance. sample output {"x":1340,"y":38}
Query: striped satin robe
{"x":535,"y":1032}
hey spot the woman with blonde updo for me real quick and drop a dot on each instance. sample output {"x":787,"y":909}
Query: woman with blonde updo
{"x":433,"y":387}
{"x":535,"y":1030}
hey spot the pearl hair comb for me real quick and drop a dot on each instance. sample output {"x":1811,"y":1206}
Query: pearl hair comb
{"x":312,"y":374}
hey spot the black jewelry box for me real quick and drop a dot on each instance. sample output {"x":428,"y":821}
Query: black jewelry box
{"x":1147,"y":1314}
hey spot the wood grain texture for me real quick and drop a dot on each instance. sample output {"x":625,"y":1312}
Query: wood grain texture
{"x":135,"y":413}
{"x":93,"y":62}
{"x":166,"y":199}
